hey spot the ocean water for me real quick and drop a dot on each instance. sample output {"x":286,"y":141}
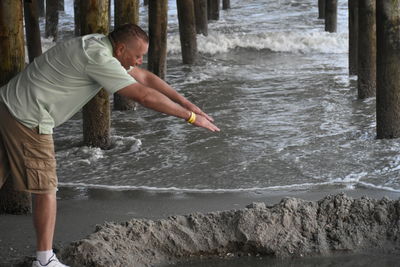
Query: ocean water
{"x":278,"y":87}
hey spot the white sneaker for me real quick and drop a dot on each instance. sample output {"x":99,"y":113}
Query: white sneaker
{"x":53,"y":262}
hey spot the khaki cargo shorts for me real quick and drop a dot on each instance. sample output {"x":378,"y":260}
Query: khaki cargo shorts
{"x":26,"y":156}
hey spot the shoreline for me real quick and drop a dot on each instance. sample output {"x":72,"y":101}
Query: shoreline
{"x":80,"y":210}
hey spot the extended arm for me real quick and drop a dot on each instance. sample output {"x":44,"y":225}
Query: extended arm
{"x":148,"y":79}
{"x":157,"y":101}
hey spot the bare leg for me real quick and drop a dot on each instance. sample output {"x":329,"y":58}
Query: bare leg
{"x":44,"y":220}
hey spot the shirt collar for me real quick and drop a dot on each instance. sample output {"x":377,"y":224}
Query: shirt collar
{"x":109,"y":43}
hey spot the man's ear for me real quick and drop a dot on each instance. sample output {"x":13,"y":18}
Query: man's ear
{"x":119,"y":49}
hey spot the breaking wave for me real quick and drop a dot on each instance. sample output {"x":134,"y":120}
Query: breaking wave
{"x":295,"y":42}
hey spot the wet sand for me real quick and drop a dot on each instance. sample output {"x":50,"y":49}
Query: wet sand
{"x":79,"y":211}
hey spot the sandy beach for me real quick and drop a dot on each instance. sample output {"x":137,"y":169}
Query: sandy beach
{"x":79,"y":211}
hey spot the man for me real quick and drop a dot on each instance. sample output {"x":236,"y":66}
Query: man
{"x":56,"y":86}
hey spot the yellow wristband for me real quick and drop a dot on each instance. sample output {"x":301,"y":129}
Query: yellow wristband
{"x":192,"y":118}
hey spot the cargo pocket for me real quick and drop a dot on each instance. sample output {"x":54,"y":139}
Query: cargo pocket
{"x":40,"y":166}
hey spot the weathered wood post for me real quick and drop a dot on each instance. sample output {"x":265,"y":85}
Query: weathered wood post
{"x":158,"y":21}
{"x":51,"y":27}
{"x":366,"y":61}
{"x":321,"y":9}
{"x":12,"y":61}
{"x":200,"y":10}
{"x":109,"y":14}
{"x":42,"y":10}
{"x":96,"y":113}
{"x":353,"y":36}
{"x":12,"y":56}
{"x":213,"y":7}
{"x":331,"y":15}
{"x":77,"y":17}
{"x":32,"y":29}
{"x":226,"y":4}
{"x":125,"y":11}
{"x":187,"y":30}
{"x":388,"y":69}
{"x":61,"y":5}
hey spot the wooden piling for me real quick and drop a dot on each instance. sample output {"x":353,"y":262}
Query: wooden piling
{"x":32,"y":30}
{"x":331,"y":15}
{"x":42,"y":10}
{"x":51,"y":28}
{"x":226,"y":4}
{"x":321,"y":9}
{"x":96,"y":113}
{"x":200,"y":10}
{"x":213,"y":7}
{"x":61,"y":5}
{"x":187,"y":30}
{"x":388,"y":69}
{"x":12,"y":56}
{"x":109,"y":14}
{"x":94,"y":16}
{"x":125,"y":11}
{"x":77,"y":17}
{"x":366,"y":61}
{"x":158,"y":21}
{"x":353,"y":36}
{"x":12,"y":61}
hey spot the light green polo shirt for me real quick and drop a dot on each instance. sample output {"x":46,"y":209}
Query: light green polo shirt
{"x":60,"y":82}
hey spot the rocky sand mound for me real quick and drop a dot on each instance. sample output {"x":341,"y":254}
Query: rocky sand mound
{"x":293,"y":227}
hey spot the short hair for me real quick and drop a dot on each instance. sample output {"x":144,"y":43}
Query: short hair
{"x":126,"y":32}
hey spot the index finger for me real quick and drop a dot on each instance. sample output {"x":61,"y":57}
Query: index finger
{"x":206,"y":116}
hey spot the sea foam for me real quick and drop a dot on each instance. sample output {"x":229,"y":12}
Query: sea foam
{"x":352,"y":184}
{"x":295,"y":42}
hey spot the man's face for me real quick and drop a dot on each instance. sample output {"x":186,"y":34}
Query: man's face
{"x":131,"y":53}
